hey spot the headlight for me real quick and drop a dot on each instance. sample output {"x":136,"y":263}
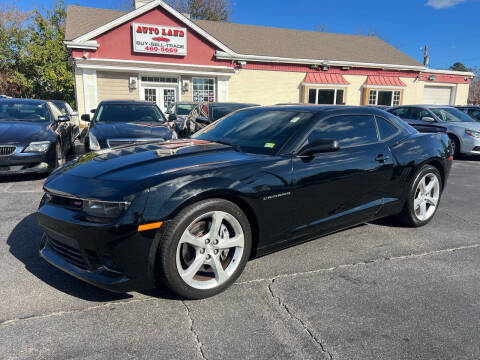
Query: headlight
{"x":103,"y":209}
{"x":94,"y":144}
{"x":40,"y":146}
{"x":473,"y":133}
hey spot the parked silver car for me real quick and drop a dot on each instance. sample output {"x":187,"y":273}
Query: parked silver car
{"x":462,"y":129}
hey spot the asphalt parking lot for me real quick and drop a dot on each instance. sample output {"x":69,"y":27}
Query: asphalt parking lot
{"x":376,"y":291}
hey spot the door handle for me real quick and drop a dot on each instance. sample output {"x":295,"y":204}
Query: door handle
{"x":381,"y":158}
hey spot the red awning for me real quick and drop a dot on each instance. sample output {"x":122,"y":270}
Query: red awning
{"x":325,"y":78}
{"x":384,"y":81}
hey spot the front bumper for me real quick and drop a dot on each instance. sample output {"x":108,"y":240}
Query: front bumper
{"x":470,"y":145}
{"x":27,"y":163}
{"x":110,"y":256}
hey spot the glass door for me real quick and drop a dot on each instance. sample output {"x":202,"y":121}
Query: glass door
{"x":162,"y":96}
{"x":169,"y":95}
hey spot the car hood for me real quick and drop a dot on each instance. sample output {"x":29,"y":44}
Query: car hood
{"x":23,"y":132}
{"x":130,"y":169}
{"x":464,"y":125}
{"x":134,"y":130}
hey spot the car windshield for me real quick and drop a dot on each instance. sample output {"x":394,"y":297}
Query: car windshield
{"x":222,"y":110}
{"x":451,"y":115}
{"x":185,"y":109}
{"x":128,"y":113}
{"x":254,"y":130}
{"x":23,"y":111}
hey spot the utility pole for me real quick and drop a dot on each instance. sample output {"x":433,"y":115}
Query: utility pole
{"x":426,"y":58}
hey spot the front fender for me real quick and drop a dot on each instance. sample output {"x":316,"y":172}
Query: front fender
{"x":167,"y":199}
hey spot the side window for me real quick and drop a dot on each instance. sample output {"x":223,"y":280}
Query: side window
{"x":417,"y":114}
{"x":400,"y":112}
{"x":348,"y":130}
{"x":474,"y":113}
{"x":385,"y":128}
{"x":55,"y":112}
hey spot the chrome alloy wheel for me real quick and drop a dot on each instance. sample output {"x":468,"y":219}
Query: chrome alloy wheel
{"x":210,"y":250}
{"x":427,"y":196}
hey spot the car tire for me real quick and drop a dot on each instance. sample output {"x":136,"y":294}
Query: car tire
{"x":455,"y":145}
{"x":423,"y":197}
{"x":192,"y":261}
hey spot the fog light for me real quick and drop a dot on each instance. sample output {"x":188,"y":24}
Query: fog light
{"x":42,"y":165}
{"x":110,"y":264}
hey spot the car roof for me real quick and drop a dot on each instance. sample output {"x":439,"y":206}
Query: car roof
{"x":126,"y":102}
{"x":425,"y":106}
{"x":324,"y":109}
{"x":26,"y":101}
{"x":230,"y":103}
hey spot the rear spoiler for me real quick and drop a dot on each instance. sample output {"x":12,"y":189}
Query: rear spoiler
{"x":429,"y":128}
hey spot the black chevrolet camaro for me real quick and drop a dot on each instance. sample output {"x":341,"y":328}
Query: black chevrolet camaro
{"x":190,"y":213}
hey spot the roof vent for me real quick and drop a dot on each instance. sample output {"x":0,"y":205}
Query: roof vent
{"x":139,"y":3}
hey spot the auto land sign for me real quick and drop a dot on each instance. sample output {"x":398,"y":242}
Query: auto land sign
{"x":157,"y":39}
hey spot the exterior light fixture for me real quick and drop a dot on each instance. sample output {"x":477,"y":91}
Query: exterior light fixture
{"x":132,"y":83}
{"x":185,"y":86}
{"x":432,"y":77}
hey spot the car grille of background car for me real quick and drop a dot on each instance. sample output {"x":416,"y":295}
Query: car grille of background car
{"x":6,"y":150}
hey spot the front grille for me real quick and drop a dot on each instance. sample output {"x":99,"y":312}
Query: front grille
{"x":70,"y":254}
{"x":6,"y":150}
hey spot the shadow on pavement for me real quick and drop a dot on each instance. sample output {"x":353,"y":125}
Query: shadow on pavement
{"x":24,"y":242}
{"x":20,"y":178}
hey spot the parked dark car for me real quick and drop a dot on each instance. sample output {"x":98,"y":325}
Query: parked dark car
{"x":123,"y":122}
{"x":464,"y":131}
{"x":190,"y":213}
{"x":205,"y":113}
{"x":66,"y":109}
{"x":178,"y":112}
{"x":472,"y":110}
{"x":34,"y":136}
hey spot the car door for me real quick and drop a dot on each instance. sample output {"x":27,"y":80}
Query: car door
{"x":334,"y":190}
{"x":415,"y":116}
{"x":61,"y":128}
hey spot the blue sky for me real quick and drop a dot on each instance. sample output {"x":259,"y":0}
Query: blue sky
{"x":449,"y":27}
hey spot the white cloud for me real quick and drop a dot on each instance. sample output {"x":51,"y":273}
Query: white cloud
{"x":443,"y":4}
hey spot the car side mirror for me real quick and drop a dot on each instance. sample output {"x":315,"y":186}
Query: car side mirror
{"x":86,"y":117}
{"x":172,"y":117}
{"x":202,"y":120}
{"x":428,"y":118}
{"x":319,"y":146}
{"x":63,"y":118}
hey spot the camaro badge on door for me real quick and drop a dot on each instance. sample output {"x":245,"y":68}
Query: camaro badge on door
{"x":276,"y":196}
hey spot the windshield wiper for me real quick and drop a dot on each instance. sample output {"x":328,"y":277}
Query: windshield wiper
{"x":237,"y":148}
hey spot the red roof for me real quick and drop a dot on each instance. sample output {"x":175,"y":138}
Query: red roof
{"x":325,"y":78}
{"x":384,"y":81}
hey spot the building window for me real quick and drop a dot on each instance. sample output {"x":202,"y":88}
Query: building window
{"x":384,"y":97}
{"x":203,"y":89}
{"x":151,"y":95}
{"x":158,"y":79}
{"x":326,"y":96}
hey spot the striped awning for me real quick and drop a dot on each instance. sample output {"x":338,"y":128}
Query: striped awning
{"x":325,"y":78}
{"x":384,"y":81}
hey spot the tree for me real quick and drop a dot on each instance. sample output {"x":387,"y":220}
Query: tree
{"x":474,"y":93}
{"x":458,"y":66}
{"x":47,"y":61}
{"x":13,"y":38}
{"x":215,"y":10}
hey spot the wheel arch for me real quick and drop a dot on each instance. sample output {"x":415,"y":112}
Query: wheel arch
{"x":234,"y":198}
{"x":437,"y":165}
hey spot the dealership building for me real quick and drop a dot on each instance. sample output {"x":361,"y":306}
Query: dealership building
{"x":157,"y":54}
